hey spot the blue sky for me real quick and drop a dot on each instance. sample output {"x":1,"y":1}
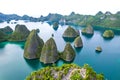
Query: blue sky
{"x":43,"y":7}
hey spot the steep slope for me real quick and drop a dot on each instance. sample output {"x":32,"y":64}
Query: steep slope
{"x":49,"y":52}
{"x":20,"y":34}
{"x":70,"y":33}
{"x":68,"y":54}
{"x":33,"y":46}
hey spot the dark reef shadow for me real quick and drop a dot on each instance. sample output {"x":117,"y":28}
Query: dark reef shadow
{"x":88,"y":35}
{"x":2,"y":44}
{"x":107,"y":39}
{"x":98,"y":52}
{"x":78,"y":50}
{"x":33,"y":63}
{"x":48,"y":64}
{"x":55,"y":28}
{"x":66,"y":39}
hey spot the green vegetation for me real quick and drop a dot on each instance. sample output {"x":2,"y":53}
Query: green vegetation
{"x":20,"y":34}
{"x":5,"y":33}
{"x":68,"y":54}
{"x":88,"y":30}
{"x":3,"y":36}
{"x":78,"y":42}
{"x":76,"y":75}
{"x":33,"y":46}
{"x":98,"y":48}
{"x":7,"y":30}
{"x":108,"y":34}
{"x":70,"y":33}
{"x":65,"y":72}
{"x":49,"y":53}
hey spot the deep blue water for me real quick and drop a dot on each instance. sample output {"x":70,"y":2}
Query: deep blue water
{"x":13,"y":66}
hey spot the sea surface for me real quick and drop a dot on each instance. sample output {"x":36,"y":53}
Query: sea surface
{"x":13,"y":66}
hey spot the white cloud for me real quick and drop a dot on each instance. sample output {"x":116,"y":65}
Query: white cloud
{"x":38,"y":7}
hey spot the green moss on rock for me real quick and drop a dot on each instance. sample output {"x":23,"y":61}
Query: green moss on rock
{"x":20,"y":34}
{"x":108,"y":34}
{"x":88,"y":30}
{"x":49,"y":52}
{"x":65,"y":72}
{"x":70,"y":33}
{"x":33,"y":46}
{"x":78,"y":42}
{"x":3,"y":36}
{"x":7,"y":30}
{"x":68,"y":54}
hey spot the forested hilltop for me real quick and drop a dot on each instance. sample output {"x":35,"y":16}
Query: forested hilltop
{"x":65,"y":72}
{"x":106,"y":19}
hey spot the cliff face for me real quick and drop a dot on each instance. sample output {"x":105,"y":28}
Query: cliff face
{"x":20,"y":34}
{"x":70,"y":33}
{"x":88,"y":30}
{"x":33,"y":46}
{"x":68,"y":54}
{"x":49,"y":52}
{"x":78,"y":42}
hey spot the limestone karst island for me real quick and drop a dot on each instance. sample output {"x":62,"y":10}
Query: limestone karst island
{"x":60,"y":47}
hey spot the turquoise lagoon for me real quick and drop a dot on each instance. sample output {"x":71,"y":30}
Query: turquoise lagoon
{"x":13,"y":66}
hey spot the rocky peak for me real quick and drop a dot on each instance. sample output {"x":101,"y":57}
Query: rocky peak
{"x":49,"y":52}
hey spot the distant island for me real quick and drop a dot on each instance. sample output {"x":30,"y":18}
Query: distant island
{"x":101,"y":19}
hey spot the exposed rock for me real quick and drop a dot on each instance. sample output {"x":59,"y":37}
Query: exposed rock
{"x":78,"y":42}
{"x":88,"y":30}
{"x":70,"y":33}
{"x":20,"y":34}
{"x":55,"y":25}
{"x":7,"y":30}
{"x":49,"y":52}
{"x":98,"y":48}
{"x":33,"y":46}
{"x":68,"y":54}
{"x":66,"y":72}
{"x":108,"y":34}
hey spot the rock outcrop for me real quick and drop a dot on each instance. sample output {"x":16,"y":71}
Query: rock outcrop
{"x":55,"y":25}
{"x":7,"y":30}
{"x":33,"y":46}
{"x":108,"y":34}
{"x":4,"y":33}
{"x":49,"y":53}
{"x":3,"y":36}
{"x":66,"y":72}
{"x":98,"y":49}
{"x":78,"y":42}
{"x":20,"y":34}
{"x":88,"y":30}
{"x":68,"y":54}
{"x":70,"y":33}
